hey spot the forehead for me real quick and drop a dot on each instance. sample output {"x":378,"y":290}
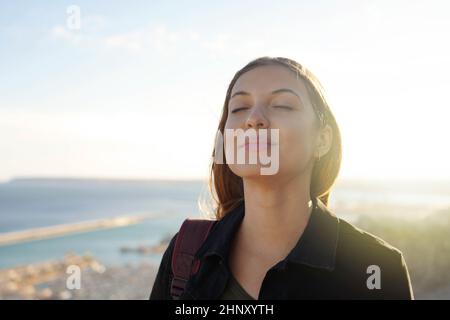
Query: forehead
{"x":264,"y":79}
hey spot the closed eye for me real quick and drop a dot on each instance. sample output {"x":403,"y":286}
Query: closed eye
{"x":238,"y":109}
{"x":283,"y":107}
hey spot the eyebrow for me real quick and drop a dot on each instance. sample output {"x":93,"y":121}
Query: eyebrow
{"x":245,"y":93}
{"x":287,"y":90}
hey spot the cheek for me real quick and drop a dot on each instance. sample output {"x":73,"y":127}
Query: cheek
{"x":233,"y":122}
{"x":296,"y":146}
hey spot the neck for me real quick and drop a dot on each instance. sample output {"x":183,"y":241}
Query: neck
{"x":276,"y":212}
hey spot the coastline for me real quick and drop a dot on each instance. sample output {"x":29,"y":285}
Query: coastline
{"x":14,"y":237}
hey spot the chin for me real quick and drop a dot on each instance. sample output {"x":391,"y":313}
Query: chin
{"x":251,"y":171}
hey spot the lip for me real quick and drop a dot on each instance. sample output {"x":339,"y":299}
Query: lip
{"x":254,"y":146}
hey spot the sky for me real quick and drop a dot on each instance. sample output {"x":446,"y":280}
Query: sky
{"x":136,"y":91}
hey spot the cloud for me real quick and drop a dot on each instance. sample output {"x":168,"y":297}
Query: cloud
{"x":163,"y":40}
{"x":157,"y":38}
{"x":130,"y":41}
{"x":87,"y":33}
{"x":61,"y":32}
{"x":94,"y":23}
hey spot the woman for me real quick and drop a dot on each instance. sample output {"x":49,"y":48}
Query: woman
{"x":275,"y":238}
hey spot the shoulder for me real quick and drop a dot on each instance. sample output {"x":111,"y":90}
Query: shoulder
{"x":362,"y":254}
{"x":356,"y":239}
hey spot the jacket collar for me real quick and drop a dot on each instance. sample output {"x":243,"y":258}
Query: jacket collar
{"x":316,"y":247}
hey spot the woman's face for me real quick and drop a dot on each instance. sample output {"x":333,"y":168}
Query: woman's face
{"x":270,"y":97}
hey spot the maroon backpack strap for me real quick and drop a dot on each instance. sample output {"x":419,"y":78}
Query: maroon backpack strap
{"x":192,"y":234}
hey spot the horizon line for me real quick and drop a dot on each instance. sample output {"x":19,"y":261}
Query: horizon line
{"x":187,"y":179}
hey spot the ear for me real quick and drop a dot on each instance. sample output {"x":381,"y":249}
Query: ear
{"x":324,"y":139}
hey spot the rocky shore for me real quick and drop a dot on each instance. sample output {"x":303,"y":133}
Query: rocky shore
{"x":47,"y":280}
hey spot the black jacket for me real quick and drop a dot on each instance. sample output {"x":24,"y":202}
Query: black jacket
{"x":332,"y":260}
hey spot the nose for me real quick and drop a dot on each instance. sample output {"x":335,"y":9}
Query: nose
{"x":257,"y":120}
